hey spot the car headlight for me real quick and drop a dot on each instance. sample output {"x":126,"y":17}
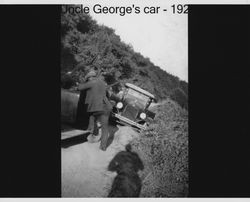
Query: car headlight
{"x":143,"y":115}
{"x":119,"y":105}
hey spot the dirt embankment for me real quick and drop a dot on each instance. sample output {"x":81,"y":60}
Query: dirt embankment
{"x":84,"y":166}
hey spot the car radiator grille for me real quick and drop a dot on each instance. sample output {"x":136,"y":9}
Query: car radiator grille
{"x":130,"y":112}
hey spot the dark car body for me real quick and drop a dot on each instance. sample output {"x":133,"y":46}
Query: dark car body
{"x":69,"y":105}
{"x":130,"y":107}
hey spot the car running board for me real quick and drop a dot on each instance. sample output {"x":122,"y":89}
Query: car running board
{"x":72,"y":133}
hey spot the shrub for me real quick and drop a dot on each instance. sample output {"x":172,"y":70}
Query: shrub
{"x":163,"y":148}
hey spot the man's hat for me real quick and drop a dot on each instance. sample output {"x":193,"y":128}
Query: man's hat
{"x":90,"y":74}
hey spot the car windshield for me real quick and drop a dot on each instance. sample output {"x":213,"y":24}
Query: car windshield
{"x":136,"y":98}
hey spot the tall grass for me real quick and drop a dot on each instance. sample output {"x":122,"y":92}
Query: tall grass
{"x":164,"y":151}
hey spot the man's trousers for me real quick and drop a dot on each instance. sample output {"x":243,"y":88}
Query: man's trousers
{"x":102,"y":118}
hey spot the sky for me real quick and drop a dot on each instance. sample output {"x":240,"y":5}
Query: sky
{"x":162,"y":37}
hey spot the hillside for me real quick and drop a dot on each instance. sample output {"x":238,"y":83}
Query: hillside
{"x":163,"y":147}
{"x":164,"y":150}
{"x":86,"y":45}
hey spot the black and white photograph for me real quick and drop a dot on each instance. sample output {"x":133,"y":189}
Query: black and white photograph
{"x":130,"y":99}
{"x":124,"y":100}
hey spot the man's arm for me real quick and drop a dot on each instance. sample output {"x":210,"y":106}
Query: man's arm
{"x":85,"y":86}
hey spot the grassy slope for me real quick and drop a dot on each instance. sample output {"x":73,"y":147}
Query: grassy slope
{"x":164,"y":151}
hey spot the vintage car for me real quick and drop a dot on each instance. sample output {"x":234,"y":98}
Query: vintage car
{"x":130,"y":107}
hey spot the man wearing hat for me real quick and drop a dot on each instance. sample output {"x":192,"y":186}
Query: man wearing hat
{"x":98,"y":106}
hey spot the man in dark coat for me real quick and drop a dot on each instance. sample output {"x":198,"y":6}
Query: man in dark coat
{"x":98,"y":105}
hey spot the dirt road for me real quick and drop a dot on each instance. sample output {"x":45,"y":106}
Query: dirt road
{"x":84,"y":166}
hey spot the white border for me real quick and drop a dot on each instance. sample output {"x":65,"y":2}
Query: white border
{"x":90,"y":2}
{"x":125,"y":199}
{"x":135,"y":1}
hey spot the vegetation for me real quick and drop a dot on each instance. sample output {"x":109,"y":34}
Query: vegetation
{"x":86,"y":45}
{"x":164,"y":150}
{"x":164,"y":146}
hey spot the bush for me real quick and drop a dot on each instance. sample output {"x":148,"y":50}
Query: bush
{"x":180,"y":97}
{"x":164,"y":151}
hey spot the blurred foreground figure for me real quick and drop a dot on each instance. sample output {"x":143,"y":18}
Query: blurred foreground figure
{"x":127,"y":183}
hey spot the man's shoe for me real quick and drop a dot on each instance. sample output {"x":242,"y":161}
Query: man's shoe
{"x":92,"y":138}
{"x":103,"y":149}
